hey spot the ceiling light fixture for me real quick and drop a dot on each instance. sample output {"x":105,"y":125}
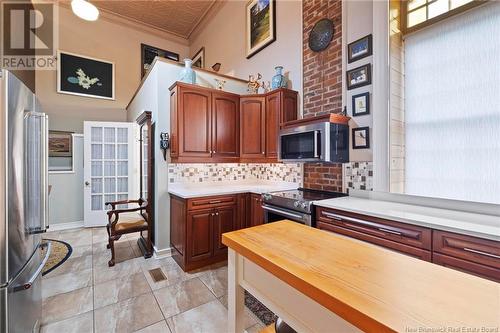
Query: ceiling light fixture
{"x":85,"y":10}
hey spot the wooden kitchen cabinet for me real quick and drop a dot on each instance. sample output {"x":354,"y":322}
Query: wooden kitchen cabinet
{"x":208,"y":125}
{"x":256,"y":211}
{"x":469,"y":254}
{"x":253,"y":127}
{"x":196,"y":228}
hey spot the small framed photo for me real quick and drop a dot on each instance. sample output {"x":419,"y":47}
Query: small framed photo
{"x":199,"y":58}
{"x":359,"y":49}
{"x":60,"y":144}
{"x":361,"y":138}
{"x":361,"y":104}
{"x":359,"y":76}
{"x":85,"y":76}
{"x":148,"y":54}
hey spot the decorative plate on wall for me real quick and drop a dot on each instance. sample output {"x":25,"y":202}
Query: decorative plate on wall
{"x":321,"y":35}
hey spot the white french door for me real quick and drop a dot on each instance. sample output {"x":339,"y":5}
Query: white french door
{"x":108,"y":168}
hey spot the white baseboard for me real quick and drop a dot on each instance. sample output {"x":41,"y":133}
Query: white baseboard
{"x":65,"y":226}
{"x":162,"y":253}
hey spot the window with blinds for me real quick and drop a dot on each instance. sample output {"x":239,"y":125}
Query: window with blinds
{"x":452,"y":108}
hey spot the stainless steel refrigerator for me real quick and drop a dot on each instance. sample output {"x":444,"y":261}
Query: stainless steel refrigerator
{"x":23,"y":205}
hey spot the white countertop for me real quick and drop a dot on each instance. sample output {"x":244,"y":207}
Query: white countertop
{"x":473,"y":224}
{"x":194,"y":190}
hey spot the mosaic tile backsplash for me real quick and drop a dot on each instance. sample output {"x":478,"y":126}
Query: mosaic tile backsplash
{"x":358,"y":175}
{"x":213,"y":172}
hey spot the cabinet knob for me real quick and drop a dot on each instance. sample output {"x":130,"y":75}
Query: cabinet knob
{"x":263,"y":153}
{"x":217,"y":214}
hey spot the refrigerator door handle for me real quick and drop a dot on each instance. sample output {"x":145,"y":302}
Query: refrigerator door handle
{"x":28,"y":284}
{"x":44,"y":188}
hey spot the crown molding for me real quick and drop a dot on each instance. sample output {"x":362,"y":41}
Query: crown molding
{"x":205,"y":19}
{"x":134,"y":24}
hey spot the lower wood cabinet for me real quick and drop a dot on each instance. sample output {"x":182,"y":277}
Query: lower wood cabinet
{"x":197,"y":225}
{"x":465,"y":253}
{"x":256,"y":211}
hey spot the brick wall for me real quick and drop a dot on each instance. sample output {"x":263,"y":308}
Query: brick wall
{"x":322,"y":85}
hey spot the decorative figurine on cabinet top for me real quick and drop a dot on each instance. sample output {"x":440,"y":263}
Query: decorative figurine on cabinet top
{"x":187,"y":74}
{"x":279,"y":80}
{"x":220,"y":84}
{"x":254,"y":84}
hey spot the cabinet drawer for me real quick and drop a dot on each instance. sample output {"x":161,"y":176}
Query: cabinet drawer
{"x":467,"y":266}
{"x":398,"y":247}
{"x":211,"y":202}
{"x":481,"y":251}
{"x":394,"y":231}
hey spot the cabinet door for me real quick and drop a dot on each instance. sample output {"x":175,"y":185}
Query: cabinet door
{"x":256,"y":211}
{"x":243,"y":210}
{"x":225,"y":221}
{"x":252,"y":126}
{"x":194,"y":112}
{"x":273,"y":107}
{"x":289,"y":104}
{"x":225,"y":125}
{"x":200,"y":234}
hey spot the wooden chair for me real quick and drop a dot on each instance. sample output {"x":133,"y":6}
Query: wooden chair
{"x":125,"y":220}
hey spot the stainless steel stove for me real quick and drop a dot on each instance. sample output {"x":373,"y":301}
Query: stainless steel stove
{"x":296,"y":205}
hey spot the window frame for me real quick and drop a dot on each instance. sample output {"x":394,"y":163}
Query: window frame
{"x":404,"y":14}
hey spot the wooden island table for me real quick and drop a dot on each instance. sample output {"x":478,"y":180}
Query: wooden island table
{"x":322,"y":282}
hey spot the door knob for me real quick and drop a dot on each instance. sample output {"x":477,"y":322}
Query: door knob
{"x":87,"y":183}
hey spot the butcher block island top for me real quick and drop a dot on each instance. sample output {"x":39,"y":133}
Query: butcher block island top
{"x":372,"y":288}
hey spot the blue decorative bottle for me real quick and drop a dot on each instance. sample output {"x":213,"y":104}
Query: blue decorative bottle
{"x":279,"y":80}
{"x":187,"y":74}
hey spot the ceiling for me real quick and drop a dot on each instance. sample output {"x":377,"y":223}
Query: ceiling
{"x":178,"y":17}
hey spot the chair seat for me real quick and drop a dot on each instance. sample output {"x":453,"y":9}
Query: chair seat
{"x":130,"y":220}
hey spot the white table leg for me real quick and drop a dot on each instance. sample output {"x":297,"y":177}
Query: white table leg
{"x":236,"y":294}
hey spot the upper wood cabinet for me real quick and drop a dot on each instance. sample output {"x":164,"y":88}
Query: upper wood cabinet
{"x":209,"y":125}
{"x":253,"y":127}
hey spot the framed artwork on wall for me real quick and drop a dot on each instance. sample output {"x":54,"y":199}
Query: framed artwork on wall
{"x":361,"y":104}
{"x":199,"y":58}
{"x":85,"y":76}
{"x":148,"y":54}
{"x":361,"y":138}
{"x":60,"y":144}
{"x":359,"y":76}
{"x":359,"y":49}
{"x":260,"y":25}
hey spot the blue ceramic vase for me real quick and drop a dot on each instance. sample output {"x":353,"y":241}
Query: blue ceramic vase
{"x":279,"y":80}
{"x":187,"y":74}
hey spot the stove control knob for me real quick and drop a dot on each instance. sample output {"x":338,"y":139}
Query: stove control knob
{"x":266,"y":196}
{"x":303,"y":205}
{"x":296,"y":204}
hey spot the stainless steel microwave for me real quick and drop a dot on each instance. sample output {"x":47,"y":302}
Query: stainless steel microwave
{"x":317,"y":142}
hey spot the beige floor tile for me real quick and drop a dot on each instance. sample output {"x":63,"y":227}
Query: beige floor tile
{"x":99,"y":235}
{"x":63,"y":306}
{"x":100,"y":260}
{"x":81,"y":251}
{"x":66,"y":282}
{"x":250,"y":318}
{"x":207,"y":318}
{"x":72,"y":265}
{"x":83,"y":323}
{"x":114,"y":291}
{"x":216,"y":281}
{"x":135,"y":247}
{"x":151,"y":263}
{"x":128,"y":316}
{"x":182,"y":297}
{"x":51,"y":235}
{"x":98,"y":248}
{"x":173,"y":273}
{"x":160,"y":327}
{"x":77,"y":238}
{"x":119,"y":270}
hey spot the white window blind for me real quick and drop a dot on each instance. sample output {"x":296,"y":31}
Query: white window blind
{"x":452,"y":108}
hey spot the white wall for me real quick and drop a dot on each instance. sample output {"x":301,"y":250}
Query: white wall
{"x":103,"y":39}
{"x":224,"y":41}
{"x":154,"y":96}
{"x":66,"y":195}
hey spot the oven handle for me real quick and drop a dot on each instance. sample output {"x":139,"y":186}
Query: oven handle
{"x":285,"y":213}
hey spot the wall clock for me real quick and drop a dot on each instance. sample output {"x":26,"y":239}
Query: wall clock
{"x":321,"y":35}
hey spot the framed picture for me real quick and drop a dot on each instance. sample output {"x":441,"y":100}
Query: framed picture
{"x":361,"y":138}
{"x":60,"y":144}
{"x":148,"y":54}
{"x":260,"y":25}
{"x":85,"y":76}
{"x":361,"y":104}
{"x":359,"y":77}
{"x":359,"y":49}
{"x":199,"y":58}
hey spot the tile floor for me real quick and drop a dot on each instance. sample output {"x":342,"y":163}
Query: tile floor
{"x":85,"y":295}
